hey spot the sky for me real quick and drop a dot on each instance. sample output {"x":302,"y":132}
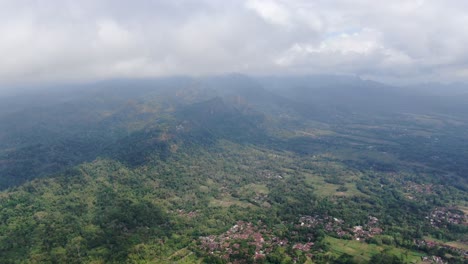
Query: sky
{"x":399,"y":41}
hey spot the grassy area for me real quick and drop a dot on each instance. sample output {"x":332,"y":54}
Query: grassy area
{"x":328,"y":189}
{"x":227,"y":201}
{"x":253,"y":188}
{"x":457,"y":244}
{"x":363,"y":252}
{"x":464,"y":209}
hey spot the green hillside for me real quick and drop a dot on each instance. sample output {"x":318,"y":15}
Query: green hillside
{"x":232,"y":170}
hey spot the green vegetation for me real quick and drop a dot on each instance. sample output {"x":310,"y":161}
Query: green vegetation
{"x":363,"y":252}
{"x":194,"y":174}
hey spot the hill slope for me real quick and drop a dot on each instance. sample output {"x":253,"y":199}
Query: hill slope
{"x":232,"y":169}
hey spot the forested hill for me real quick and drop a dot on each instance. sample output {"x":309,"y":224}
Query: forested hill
{"x":233,"y":169}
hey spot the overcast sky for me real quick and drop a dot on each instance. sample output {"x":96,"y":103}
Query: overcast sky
{"x":85,"y":40}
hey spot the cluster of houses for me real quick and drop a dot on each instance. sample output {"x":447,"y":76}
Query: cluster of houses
{"x":413,"y":187}
{"x":337,"y":226}
{"x":432,"y":244}
{"x":268,"y":174}
{"x":360,"y":233}
{"x":230,"y":242}
{"x":261,"y":198}
{"x":416,"y":191}
{"x":233,"y":241}
{"x":441,"y":217}
{"x":433,"y":260}
{"x":303,"y":247}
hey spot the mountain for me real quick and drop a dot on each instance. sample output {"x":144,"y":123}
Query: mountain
{"x":233,"y":169}
{"x":337,"y":94}
{"x":440,"y":89}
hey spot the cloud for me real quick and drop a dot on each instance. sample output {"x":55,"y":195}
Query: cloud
{"x":360,"y":52}
{"x":271,"y":11}
{"x":401,"y":40}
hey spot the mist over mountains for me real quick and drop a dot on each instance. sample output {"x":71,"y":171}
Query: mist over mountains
{"x":45,"y":123}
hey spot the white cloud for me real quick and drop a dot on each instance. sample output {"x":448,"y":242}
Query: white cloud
{"x":273,"y":12}
{"x":56,"y":40}
{"x":357,"y":52}
{"x":111,"y":34}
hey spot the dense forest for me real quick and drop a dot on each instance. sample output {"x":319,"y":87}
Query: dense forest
{"x":233,"y":169}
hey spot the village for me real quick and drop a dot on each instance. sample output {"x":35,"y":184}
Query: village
{"x":428,"y":244}
{"x":234,"y":241}
{"x":245,"y":236}
{"x":336,"y":227}
{"x":441,"y":217}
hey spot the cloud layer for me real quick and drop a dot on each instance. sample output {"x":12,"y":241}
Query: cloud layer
{"x":65,"y":40}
